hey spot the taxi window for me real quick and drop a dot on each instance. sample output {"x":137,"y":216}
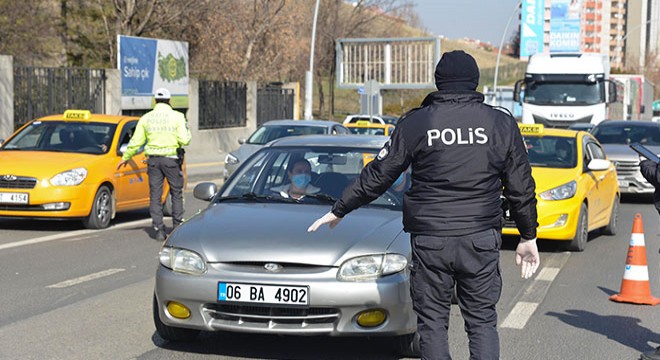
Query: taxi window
{"x":63,"y":136}
{"x":551,"y":151}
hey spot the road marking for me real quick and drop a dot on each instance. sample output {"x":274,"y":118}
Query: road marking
{"x":531,"y":296}
{"x":70,"y":234}
{"x":86,"y":278}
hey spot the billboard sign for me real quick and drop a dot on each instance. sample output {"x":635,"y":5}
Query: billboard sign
{"x":565,"y":25}
{"x":531,"y":28}
{"x":148,"y":64}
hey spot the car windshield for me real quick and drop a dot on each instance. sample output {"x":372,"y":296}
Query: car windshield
{"x":627,"y":134}
{"x":268,"y":133}
{"x":63,"y":136}
{"x":551,"y":151}
{"x":367,"y":131}
{"x":304,"y":175}
{"x":560,"y":93}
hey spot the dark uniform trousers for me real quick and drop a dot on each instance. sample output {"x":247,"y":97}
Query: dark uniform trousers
{"x":160,"y":168}
{"x":472,"y":263}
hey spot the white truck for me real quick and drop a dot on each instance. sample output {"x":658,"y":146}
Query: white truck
{"x":562,"y":89}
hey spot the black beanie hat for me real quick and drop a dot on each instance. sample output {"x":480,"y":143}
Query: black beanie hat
{"x":457,"y":70}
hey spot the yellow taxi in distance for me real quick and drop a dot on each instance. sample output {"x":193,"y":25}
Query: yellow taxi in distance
{"x":576,"y":185}
{"x":65,"y":167}
{"x":365,"y":127}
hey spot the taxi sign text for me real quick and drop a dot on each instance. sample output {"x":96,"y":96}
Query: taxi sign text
{"x":531,"y":128}
{"x":77,"y":114}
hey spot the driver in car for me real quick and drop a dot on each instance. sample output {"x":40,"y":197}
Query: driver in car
{"x":300,"y":175}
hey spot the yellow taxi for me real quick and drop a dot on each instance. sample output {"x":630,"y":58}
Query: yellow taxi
{"x":576,"y":185}
{"x":65,"y":167}
{"x":365,"y":127}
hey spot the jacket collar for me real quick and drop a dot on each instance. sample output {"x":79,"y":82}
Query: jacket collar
{"x":460,"y":96}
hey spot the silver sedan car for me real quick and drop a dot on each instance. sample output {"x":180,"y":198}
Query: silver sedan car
{"x":247,"y":263}
{"x":276,"y":129}
{"x":616,"y":137}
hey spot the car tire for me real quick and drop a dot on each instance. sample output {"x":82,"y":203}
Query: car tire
{"x":102,"y":209}
{"x":171,"y":333}
{"x":167,"y":205}
{"x":612,"y":226}
{"x":408,"y":345}
{"x":581,"y":231}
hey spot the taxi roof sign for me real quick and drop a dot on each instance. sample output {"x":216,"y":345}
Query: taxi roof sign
{"x":363,"y":122}
{"x":77,"y":114}
{"x":531,"y":128}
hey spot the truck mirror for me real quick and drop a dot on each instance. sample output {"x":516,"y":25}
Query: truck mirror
{"x":516,"y":91}
{"x":611,"y":92}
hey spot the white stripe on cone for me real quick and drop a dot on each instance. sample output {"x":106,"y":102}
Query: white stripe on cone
{"x":637,"y":239}
{"x":636,"y":273}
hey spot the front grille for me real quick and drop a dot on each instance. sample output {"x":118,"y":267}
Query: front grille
{"x":276,"y":315}
{"x":560,"y":123}
{"x":17,"y":182}
{"x":626,"y":168}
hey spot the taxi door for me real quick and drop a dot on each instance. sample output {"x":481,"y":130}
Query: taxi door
{"x":605,"y":186}
{"x":132,"y":181}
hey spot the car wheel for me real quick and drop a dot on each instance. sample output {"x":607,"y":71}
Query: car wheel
{"x":408,"y":345}
{"x":611,"y":228}
{"x":101,"y":214}
{"x":581,"y":231}
{"x":171,"y":333}
{"x":167,"y":205}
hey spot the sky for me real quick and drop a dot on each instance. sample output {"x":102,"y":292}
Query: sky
{"x":483,"y":20}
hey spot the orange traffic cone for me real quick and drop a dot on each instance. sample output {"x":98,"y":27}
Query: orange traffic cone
{"x":635,"y":287}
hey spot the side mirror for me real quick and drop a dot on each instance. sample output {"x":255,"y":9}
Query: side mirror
{"x":611,"y":92}
{"x":241,"y":141}
{"x":599,"y":164}
{"x":205,"y":191}
{"x":516,"y":91}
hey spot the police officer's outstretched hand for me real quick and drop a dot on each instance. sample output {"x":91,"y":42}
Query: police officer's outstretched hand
{"x":527,"y":255}
{"x":328,"y":218}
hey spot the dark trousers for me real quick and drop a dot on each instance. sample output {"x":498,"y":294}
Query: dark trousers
{"x":161,"y":168}
{"x":471,"y":263}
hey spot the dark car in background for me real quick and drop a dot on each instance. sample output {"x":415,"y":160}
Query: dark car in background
{"x":616,"y":137}
{"x":276,"y":129}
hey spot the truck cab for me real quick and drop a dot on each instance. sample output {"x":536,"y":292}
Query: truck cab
{"x":562,"y":89}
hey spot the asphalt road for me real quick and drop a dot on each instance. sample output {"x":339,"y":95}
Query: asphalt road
{"x":70,"y":293}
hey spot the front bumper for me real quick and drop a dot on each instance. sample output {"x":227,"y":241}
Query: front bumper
{"x":333,"y":305}
{"x":557,"y":220}
{"x":77,"y":201}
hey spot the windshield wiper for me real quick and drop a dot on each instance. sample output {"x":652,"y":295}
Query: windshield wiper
{"x":252,"y":196}
{"x":323,"y":197}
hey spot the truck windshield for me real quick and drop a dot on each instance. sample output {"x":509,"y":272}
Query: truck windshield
{"x":561,"y":93}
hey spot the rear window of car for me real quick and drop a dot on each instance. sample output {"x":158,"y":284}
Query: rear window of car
{"x":266,"y":134}
{"x":627,"y":134}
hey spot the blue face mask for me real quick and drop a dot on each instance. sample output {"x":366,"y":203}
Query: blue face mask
{"x":398,"y":181}
{"x":301,"y":180}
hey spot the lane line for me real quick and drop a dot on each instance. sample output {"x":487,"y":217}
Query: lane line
{"x":532,"y":295}
{"x":86,"y":278}
{"x":70,"y":234}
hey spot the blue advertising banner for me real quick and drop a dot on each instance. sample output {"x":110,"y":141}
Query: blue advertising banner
{"x":531,"y":28}
{"x":148,"y":64}
{"x":565,"y":26}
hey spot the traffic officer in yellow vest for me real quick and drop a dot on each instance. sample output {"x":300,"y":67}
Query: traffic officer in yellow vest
{"x":165,"y":131}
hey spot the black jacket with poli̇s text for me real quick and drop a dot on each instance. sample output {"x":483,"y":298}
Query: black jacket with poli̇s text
{"x":464,"y":155}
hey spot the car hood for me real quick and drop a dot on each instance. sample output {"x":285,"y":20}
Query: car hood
{"x":276,"y":232}
{"x":40,"y":164}
{"x":621,"y":152}
{"x":245,"y":151}
{"x":550,"y":178}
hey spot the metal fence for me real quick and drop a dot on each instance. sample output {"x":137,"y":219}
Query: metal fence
{"x":274,"y":103}
{"x":40,"y":91}
{"x":222,"y":104}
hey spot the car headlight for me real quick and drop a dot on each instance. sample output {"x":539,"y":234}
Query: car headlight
{"x":69,"y":178}
{"x":371,"y":267}
{"x":231,"y":159}
{"x":562,"y":192}
{"x":181,"y":260}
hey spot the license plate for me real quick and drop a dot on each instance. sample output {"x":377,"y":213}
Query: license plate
{"x":13,"y":198}
{"x":263,"y":294}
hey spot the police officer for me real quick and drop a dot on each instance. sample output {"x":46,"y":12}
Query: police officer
{"x":464,"y":155}
{"x":164,"y":131}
